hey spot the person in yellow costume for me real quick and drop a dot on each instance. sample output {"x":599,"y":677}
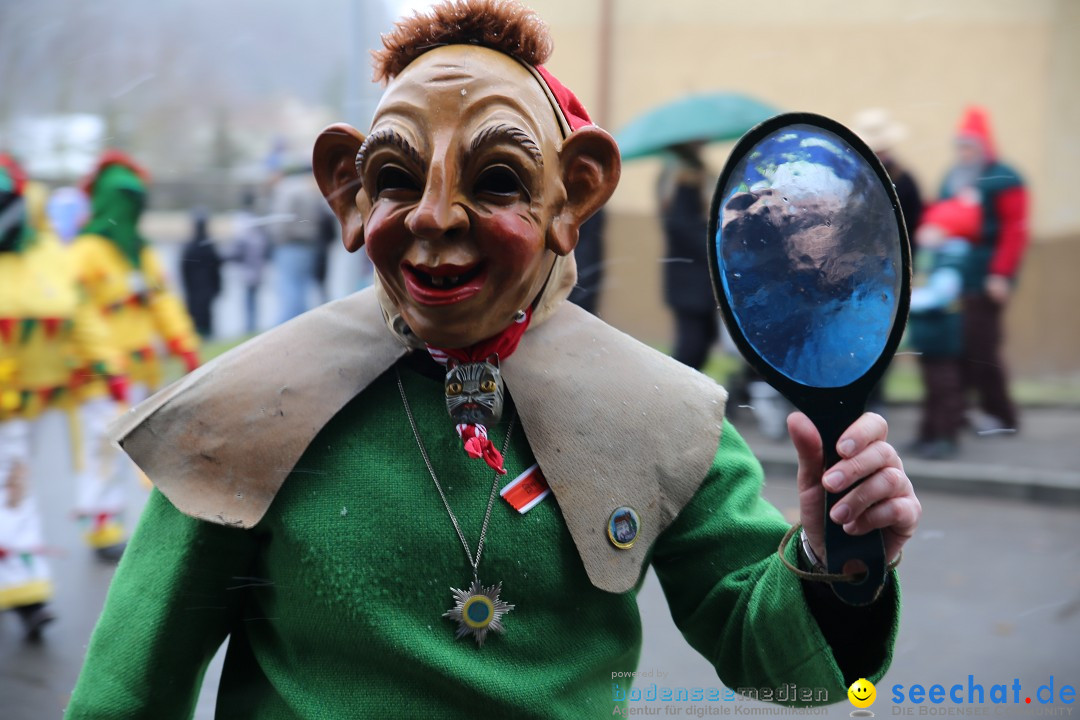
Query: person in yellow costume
{"x":124,"y":279}
{"x":47,"y":330}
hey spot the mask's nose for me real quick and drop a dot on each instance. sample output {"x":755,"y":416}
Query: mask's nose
{"x":439,"y":214}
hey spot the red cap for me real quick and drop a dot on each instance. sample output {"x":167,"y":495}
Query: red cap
{"x":976,"y":125}
{"x":575,"y":113}
{"x":113,"y":157}
{"x":956,"y":216}
{"x":18,"y":176}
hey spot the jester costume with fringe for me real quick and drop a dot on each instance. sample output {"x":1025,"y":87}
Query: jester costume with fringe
{"x":47,"y":332}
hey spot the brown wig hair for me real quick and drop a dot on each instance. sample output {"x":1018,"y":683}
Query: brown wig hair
{"x":502,"y":25}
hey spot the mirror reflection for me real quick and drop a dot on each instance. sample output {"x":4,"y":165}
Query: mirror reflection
{"x":809,"y":254}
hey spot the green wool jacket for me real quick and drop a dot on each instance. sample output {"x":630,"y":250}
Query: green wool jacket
{"x":333,"y":602}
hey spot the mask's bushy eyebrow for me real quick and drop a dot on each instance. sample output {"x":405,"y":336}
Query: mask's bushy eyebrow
{"x":513,"y":134}
{"x":386,"y":136}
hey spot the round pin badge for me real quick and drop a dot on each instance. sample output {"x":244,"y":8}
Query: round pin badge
{"x":622,"y":527}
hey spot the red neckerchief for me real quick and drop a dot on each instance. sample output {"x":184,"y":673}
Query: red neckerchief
{"x":474,"y":436}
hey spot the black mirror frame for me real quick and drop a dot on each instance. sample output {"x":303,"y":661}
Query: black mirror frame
{"x":831,"y":409}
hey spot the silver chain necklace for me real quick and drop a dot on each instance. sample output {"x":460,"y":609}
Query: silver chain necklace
{"x":479,"y":609}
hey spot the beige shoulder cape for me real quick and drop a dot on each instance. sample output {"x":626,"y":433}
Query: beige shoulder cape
{"x":611,"y":422}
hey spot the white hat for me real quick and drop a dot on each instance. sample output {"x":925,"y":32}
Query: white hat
{"x":878,"y":129}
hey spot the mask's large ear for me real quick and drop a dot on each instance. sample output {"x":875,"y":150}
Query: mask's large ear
{"x":590,"y":165}
{"x":334,"y":163}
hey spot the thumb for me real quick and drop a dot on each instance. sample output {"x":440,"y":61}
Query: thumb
{"x":807,"y":442}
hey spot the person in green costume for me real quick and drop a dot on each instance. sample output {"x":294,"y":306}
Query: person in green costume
{"x":365,"y":556}
{"x":124,"y":280}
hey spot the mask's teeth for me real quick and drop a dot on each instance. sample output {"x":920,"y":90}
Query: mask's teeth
{"x":436,"y":280}
{"x":452,"y":280}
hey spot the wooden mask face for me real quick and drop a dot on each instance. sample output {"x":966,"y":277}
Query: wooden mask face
{"x":464,"y":190}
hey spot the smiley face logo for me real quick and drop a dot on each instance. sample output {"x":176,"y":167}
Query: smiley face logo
{"x":862,"y":693}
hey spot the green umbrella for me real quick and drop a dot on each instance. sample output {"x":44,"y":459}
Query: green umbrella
{"x":707,"y":117}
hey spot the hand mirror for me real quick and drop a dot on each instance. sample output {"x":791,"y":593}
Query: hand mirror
{"x":811,"y":267}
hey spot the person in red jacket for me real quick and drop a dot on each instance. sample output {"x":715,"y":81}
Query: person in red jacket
{"x":994,"y":262}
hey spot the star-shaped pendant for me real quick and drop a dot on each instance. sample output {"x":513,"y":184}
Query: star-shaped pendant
{"x":478,"y":611}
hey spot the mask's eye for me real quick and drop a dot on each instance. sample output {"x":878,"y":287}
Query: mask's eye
{"x":488,"y":386}
{"x":453,"y":389}
{"x":392,"y":178}
{"x":499,"y":182}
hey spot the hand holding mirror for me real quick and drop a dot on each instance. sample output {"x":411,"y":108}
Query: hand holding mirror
{"x":811,"y":267}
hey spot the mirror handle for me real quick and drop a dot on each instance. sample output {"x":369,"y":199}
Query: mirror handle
{"x":841,"y":547}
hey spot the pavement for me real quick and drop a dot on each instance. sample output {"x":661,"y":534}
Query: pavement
{"x":1040,"y":461}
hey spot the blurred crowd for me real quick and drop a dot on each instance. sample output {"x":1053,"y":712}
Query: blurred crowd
{"x":283,"y":227}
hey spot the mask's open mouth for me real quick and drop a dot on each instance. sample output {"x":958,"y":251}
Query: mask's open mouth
{"x":444,"y":277}
{"x":444,"y":284}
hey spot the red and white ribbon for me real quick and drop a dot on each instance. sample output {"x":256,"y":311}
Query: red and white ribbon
{"x":526,"y":490}
{"x":477,"y":445}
